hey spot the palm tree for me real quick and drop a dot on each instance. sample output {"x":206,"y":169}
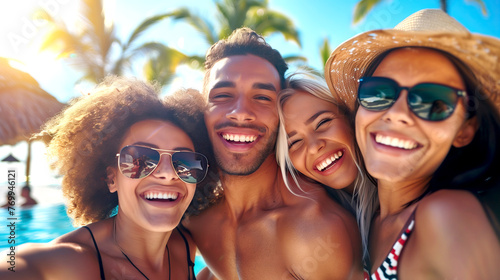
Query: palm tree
{"x":363,"y":7}
{"x":163,"y":61}
{"x":90,"y":48}
{"x":233,"y":14}
{"x":325,"y":51}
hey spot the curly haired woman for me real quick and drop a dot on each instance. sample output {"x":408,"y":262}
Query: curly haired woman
{"x":129,"y":210}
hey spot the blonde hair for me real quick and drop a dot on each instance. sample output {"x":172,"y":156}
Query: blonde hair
{"x":364,"y":199}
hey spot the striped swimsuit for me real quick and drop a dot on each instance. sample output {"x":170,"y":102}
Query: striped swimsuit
{"x":389,"y":267}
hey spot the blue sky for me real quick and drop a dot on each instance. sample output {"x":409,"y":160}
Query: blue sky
{"x":315,"y":20}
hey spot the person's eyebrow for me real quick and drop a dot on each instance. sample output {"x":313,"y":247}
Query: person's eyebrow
{"x":224,"y":84}
{"x":146,"y":144}
{"x":308,"y":121}
{"x":313,"y":117}
{"x":156,"y":147}
{"x":292,"y":133}
{"x":266,"y":86}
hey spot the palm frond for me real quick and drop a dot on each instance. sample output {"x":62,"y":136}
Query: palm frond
{"x":161,"y":66}
{"x":267,"y":22}
{"x":203,"y":26}
{"x":61,"y":42}
{"x":482,"y":5}
{"x":196,"y":62}
{"x":295,"y":59}
{"x":145,"y":25}
{"x":362,"y":8}
{"x":42,"y":14}
{"x":149,"y":48}
{"x":93,"y":13}
{"x":233,"y":13}
{"x":95,"y":31}
{"x":325,"y":50}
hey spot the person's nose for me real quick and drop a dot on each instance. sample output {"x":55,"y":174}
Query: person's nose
{"x":399,"y":112}
{"x":314,"y":144}
{"x":242,"y":110}
{"x":165,"y":170}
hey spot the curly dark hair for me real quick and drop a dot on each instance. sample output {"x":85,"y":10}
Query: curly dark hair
{"x":244,"y":41}
{"x":86,"y":136}
{"x":190,"y":102}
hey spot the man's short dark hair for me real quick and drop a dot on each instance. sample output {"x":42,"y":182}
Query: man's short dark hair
{"x":244,"y":41}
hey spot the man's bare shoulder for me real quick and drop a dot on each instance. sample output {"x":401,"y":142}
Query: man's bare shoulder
{"x":209,"y":217}
{"x":318,"y":214}
{"x":315,"y":203}
{"x":322,"y":232}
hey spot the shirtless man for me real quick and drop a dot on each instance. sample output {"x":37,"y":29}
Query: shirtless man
{"x":259,"y":229}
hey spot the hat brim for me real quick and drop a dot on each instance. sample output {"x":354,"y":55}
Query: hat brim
{"x":348,"y":62}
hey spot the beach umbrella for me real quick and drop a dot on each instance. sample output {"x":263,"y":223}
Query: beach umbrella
{"x":24,"y":107}
{"x":10,"y":158}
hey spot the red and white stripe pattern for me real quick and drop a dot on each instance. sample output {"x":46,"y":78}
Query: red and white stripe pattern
{"x":389,"y":268}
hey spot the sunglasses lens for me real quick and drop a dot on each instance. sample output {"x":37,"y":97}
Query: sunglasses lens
{"x":432,"y":102}
{"x":138,"y":162}
{"x":190,"y":167}
{"x":377,"y":94}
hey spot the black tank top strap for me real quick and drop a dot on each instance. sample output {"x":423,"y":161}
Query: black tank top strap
{"x":101,"y":268}
{"x":190,"y":263}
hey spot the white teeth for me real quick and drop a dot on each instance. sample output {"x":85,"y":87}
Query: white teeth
{"x":158,"y":195}
{"x":239,"y":138}
{"x":395,"y":142}
{"x":327,"y":162}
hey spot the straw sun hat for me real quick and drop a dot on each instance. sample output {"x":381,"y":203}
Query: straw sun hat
{"x":426,"y":28}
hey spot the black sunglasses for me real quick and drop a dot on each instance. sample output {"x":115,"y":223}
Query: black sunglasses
{"x":137,"y":162}
{"x":428,"y":101}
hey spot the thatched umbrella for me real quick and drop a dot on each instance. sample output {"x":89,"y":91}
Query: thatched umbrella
{"x":10,"y":158}
{"x":24,"y":107}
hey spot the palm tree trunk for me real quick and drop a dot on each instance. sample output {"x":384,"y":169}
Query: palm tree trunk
{"x":444,"y":6}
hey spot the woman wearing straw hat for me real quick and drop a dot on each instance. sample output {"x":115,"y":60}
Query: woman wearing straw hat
{"x":428,"y":126}
{"x":129,"y":212}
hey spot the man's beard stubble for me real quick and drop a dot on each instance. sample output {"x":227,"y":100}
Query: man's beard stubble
{"x":233,"y":168}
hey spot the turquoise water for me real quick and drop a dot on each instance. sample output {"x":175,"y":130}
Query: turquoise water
{"x":42,"y":223}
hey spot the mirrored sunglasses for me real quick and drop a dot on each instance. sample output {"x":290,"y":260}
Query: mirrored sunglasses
{"x":137,"y":162}
{"x":428,"y":101}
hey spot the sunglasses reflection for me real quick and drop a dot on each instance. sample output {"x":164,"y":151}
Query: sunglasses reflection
{"x":428,"y":101}
{"x":137,"y":162}
{"x":137,"y":167}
